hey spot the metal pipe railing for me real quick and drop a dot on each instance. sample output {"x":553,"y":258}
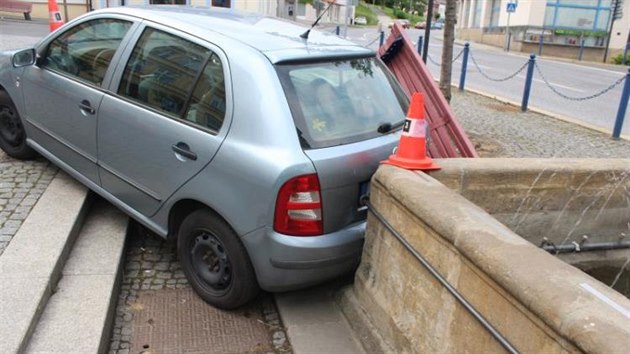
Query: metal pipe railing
{"x":584,"y":247}
{"x":478,"y":316}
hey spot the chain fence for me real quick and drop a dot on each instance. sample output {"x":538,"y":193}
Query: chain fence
{"x":583,"y":98}
{"x":511,"y":76}
{"x":373,"y":41}
{"x":433,"y":61}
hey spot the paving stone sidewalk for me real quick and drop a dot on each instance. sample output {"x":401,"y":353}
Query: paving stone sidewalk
{"x":502,"y":130}
{"x":21,"y":185}
{"x":157,"y":311}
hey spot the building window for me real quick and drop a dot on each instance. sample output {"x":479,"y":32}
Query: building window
{"x":494,"y":13}
{"x":477,"y":15}
{"x":587,"y":15}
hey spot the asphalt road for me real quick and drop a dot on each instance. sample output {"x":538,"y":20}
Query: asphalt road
{"x":569,"y":78}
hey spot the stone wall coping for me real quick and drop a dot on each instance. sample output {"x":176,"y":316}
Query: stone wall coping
{"x":581,"y":309}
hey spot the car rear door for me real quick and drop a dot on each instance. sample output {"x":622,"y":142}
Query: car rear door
{"x":165,"y":118}
{"x":63,"y":91}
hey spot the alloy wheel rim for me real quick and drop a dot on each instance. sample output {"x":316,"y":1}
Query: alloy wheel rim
{"x":210,"y":261}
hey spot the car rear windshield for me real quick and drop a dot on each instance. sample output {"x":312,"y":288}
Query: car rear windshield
{"x":341,"y":102}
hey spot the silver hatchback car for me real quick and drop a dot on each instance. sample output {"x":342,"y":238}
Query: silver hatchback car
{"x":229,"y":131}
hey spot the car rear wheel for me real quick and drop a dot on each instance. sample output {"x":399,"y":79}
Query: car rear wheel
{"x":12,"y":133}
{"x":215,"y":261}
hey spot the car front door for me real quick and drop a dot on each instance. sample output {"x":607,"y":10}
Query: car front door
{"x":63,"y":92}
{"x":163,"y":124}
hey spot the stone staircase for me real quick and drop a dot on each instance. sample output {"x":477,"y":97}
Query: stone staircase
{"x":60,"y":274}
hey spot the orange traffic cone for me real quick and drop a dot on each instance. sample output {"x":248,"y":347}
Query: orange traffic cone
{"x":412,"y":151}
{"x":54,"y":20}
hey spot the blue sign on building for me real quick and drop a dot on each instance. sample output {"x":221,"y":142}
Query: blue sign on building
{"x":511,"y":6}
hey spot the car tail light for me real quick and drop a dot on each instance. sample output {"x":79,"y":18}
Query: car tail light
{"x":299,"y":207}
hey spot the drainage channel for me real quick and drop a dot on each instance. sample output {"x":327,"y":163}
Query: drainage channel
{"x":158,"y":312}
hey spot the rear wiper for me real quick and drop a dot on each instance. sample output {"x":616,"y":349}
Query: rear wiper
{"x":388,"y":127}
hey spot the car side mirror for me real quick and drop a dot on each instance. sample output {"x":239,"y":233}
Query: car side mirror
{"x":25,"y":57}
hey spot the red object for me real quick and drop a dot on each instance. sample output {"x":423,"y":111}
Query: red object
{"x":54,"y":19}
{"x":448,"y":138}
{"x":299,"y":207}
{"x":411,"y":153}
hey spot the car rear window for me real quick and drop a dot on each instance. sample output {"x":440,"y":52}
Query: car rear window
{"x":341,"y":102}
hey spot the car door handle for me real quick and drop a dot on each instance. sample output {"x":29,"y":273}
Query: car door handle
{"x":87,"y":107}
{"x":184,"y":150}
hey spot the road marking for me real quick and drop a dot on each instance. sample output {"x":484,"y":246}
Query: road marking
{"x":618,"y":73}
{"x":521,"y":76}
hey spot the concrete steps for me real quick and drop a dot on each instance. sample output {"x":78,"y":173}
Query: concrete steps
{"x":79,"y":315}
{"x":58,"y":295}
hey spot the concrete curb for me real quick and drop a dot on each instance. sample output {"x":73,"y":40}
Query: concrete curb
{"x":314,"y":323}
{"x":31,"y":265}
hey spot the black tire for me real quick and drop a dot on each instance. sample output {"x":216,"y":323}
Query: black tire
{"x":12,"y":133}
{"x":215,"y":261}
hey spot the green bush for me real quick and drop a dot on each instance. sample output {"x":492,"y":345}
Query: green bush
{"x":619,"y":59}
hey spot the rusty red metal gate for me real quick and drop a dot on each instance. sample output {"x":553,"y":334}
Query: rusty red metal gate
{"x":448,"y":138}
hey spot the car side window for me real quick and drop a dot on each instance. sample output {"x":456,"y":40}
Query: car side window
{"x":86,"y":50}
{"x":207,"y":103}
{"x":162,"y":70}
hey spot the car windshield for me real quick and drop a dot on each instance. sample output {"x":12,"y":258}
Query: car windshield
{"x":341,"y":102}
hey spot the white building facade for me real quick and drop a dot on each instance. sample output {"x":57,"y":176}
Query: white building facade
{"x":559,"y":27}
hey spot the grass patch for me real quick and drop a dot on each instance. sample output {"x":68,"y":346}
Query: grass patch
{"x":363,"y":10}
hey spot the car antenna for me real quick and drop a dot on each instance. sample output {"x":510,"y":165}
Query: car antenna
{"x":308,"y":31}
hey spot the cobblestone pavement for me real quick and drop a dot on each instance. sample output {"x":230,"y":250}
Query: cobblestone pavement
{"x":151,"y":269}
{"x":502,"y":130}
{"x":21,"y":185}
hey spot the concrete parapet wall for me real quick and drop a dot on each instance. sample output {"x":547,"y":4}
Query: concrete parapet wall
{"x":561,"y":199}
{"x":539,"y":303}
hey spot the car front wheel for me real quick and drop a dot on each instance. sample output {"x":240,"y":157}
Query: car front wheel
{"x":12,"y":133}
{"x":215,"y":261}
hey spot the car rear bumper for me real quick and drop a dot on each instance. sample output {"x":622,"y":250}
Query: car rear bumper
{"x":287,"y":262}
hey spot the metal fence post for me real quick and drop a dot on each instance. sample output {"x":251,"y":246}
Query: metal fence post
{"x":540,"y":42}
{"x":420,"y":42}
{"x":462,"y":77}
{"x":528,"y":81}
{"x":337,"y":30}
{"x":581,"y":49}
{"x":381,"y":39}
{"x":623,"y":105}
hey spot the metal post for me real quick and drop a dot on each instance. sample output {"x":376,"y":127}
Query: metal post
{"x":581,"y":47}
{"x":337,"y":30}
{"x":382,"y":39}
{"x":420,"y":41}
{"x":462,"y":77}
{"x":508,"y":34}
{"x":528,"y":81}
{"x":625,"y":51}
{"x":427,"y":31}
{"x":623,"y":105}
{"x":540,"y":41}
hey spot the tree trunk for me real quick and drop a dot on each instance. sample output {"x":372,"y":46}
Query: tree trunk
{"x":450,"y":18}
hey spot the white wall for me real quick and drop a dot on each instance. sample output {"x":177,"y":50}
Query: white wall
{"x":620,"y":29}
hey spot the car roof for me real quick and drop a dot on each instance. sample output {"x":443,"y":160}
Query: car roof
{"x":277,"y":39}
